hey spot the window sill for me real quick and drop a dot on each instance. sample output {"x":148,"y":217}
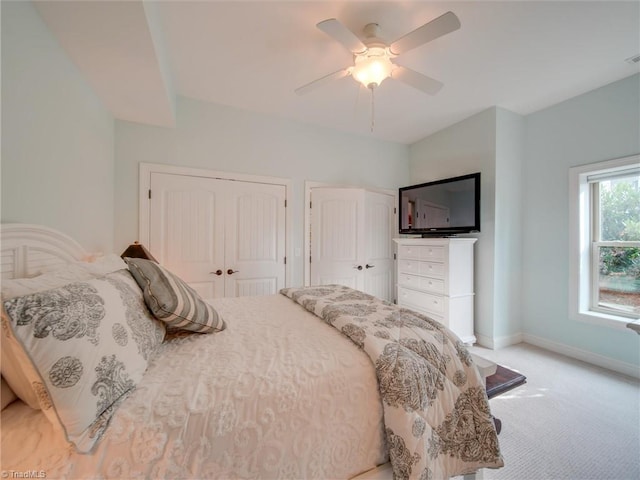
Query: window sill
{"x":606,"y":320}
{"x":635,"y":326}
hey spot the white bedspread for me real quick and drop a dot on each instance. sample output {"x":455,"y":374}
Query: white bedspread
{"x":279,"y":393}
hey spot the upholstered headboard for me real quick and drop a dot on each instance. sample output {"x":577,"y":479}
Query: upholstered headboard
{"x":28,"y":250}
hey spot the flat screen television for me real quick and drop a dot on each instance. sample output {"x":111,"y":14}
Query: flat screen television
{"x":441,"y":208}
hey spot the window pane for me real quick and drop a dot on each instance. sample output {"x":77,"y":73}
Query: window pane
{"x":619,"y":280}
{"x":620,"y":209}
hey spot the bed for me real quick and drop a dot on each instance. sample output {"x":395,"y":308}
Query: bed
{"x":278,"y":393}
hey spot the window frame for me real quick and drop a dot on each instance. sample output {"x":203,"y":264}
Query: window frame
{"x":585,"y":242}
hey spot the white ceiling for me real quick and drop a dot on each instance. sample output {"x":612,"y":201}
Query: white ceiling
{"x":522,"y":56}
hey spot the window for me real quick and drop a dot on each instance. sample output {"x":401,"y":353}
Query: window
{"x":605,"y":241}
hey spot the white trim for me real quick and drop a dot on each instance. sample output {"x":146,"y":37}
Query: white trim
{"x":499,"y":342}
{"x":484,"y":341}
{"x":508,"y":340}
{"x":146,"y":169}
{"x":618,"y":366}
{"x":580,"y":244}
{"x":308,"y":186}
{"x":603,"y":319}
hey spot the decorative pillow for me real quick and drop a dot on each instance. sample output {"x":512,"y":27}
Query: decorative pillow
{"x":173,"y":301}
{"x":11,"y":352}
{"x":88,"y":344}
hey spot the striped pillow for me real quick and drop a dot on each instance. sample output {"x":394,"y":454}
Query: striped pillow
{"x":173,"y":301}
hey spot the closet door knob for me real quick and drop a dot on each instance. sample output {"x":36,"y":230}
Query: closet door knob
{"x":231,"y":272}
{"x":359,"y":267}
{"x":369,"y":266}
{"x":217,"y":272}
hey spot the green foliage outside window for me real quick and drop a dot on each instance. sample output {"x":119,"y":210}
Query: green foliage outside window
{"x":620,"y":212}
{"x":620,"y":221}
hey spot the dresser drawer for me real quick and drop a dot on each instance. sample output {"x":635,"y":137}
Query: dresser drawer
{"x":411,"y":281}
{"x":421,"y":252}
{"x":432,"y":269}
{"x":415,"y":267}
{"x":424,"y":301}
{"x":432,"y":285}
{"x":408,"y":266}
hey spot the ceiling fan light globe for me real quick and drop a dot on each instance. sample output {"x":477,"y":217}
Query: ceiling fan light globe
{"x":372,"y":67}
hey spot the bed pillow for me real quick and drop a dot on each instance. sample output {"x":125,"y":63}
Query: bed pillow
{"x":12,"y":355}
{"x":88,"y":344}
{"x":173,"y":301}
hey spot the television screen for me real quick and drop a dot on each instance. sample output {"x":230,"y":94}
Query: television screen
{"x":443,"y":207}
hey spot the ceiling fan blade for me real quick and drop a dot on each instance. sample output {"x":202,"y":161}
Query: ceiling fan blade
{"x":417,"y":80}
{"x":342,"y":35}
{"x":442,"y":25}
{"x":321,"y":81}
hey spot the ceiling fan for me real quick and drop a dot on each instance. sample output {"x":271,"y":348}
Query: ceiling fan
{"x":373,"y":58}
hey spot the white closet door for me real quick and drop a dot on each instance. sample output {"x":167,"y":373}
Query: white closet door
{"x":379,"y":246}
{"x":186,"y":217}
{"x":225,"y":238}
{"x":337,"y":231}
{"x":352,"y":233}
{"x":254,"y":239}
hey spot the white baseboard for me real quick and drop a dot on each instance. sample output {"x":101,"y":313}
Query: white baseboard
{"x":499,"y":342}
{"x":484,"y":341}
{"x":514,"y":339}
{"x":584,"y":355}
{"x":593,"y":358}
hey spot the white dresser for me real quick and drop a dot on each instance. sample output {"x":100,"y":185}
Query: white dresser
{"x":435,"y":277}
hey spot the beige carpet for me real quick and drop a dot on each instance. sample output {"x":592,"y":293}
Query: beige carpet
{"x":570,"y":420}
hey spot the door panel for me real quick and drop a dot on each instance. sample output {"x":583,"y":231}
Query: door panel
{"x":379,"y":247}
{"x":255,"y":239}
{"x":351,"y":281}
{"x":337,"y":222}
{"x":201,"y":225}
{"x":248,"y":287}
{"x":185,"y":215}
{"x":353,"y":228}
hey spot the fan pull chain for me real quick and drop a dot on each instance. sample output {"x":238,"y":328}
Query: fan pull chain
{"x":373,"y":111}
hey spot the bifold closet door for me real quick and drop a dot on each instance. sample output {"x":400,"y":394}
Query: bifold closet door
{"x":225,"y":238}
{"x":254,"y":239}
{"x":187,"y":216}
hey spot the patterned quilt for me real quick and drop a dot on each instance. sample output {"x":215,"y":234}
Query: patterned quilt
{"x":436,"y":411}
